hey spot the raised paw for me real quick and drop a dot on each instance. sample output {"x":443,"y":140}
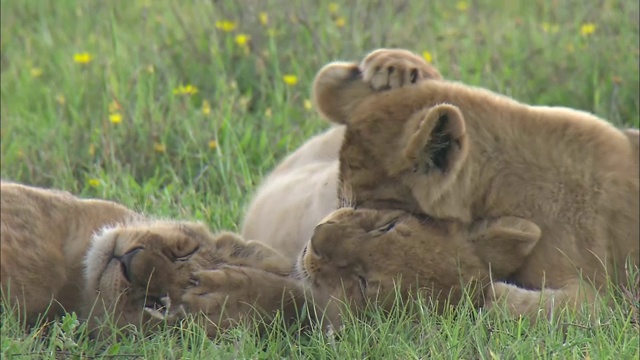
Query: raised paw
{"x":386,"y":69}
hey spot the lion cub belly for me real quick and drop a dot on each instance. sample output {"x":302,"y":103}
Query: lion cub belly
{"x":297,"y":195}
{"x":286,"y":210}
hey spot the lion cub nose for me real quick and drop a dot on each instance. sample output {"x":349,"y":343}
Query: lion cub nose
{"x":125,"y":260}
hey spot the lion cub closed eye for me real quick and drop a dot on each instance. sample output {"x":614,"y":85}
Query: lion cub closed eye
{"x":359,"y":256}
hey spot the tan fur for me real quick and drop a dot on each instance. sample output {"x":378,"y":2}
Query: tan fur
{"x":302,"y":189}
{"x":44,"y":237}
{"x":132,"y":268}
{"x":221,"y":277}
{"x":458,"y":152}
{"x":358,"y":257}
{"x":296,"y":195}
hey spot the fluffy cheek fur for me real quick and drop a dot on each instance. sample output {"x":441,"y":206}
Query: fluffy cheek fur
{"x":108,"y":293}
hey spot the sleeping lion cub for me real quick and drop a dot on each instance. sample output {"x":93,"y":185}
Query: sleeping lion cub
{"x":463,"y":153}
{"x":61,"y":253}
{"x":357,"y":257}
{"x":303,"y":188}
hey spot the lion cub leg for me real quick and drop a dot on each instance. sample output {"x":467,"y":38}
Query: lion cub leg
{"x":542,"y":303}
{"x":230,"y":294}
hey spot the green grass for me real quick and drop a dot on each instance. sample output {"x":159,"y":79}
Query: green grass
{"x":56,"y":132}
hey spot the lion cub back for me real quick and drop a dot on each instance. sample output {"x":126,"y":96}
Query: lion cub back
{"x":44,"y":235}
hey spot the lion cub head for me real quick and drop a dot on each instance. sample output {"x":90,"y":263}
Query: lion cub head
{"x":135,"y":266}
{"x":358,"y":257}
{"x":394,"y":140}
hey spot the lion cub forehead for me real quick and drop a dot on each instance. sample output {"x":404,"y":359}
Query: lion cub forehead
{"x":158,"y":230}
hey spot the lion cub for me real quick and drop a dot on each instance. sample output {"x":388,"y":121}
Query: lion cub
{"x":61,"y":254}
{"x":363,"y":256}
{"x":458,"y":152}
{"x":303,"y":188}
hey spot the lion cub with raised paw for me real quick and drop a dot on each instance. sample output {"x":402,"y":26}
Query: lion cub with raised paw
{"x":303,"y":188}
{"x":459,"y":152}
{"x":95,"y":257}
{"x":363,"y":256}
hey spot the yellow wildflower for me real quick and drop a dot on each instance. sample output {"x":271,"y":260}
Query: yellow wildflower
{"x":92,"y":149}
{"x":340,"y":22}
{"x":427,"y":56}
{"x":185,"y":90}
{"x":213,"y":144}
{"x":587,"y":29}
{"x":206,"y":108}
{"x":93,"y":182}
{"x":82,"y":58}
{"x":307,"y":104}
{"x":462,"y":5}
{"x":290,"y":79}
{"x":60,"y":99}
{"x":159,"y":148}
{"x":263,"y":18}
{"x":550,"y":28}
{"x":268,"y":113}
{"x":333,"y":8}
{"x":242,"y":39}
{"x":35,"y":72}
{"x":115,"y":118}
{"x":226,"y":25}
{"x":150,"y":69}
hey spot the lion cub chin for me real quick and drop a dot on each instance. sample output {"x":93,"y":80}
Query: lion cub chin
{"x":98,"y":258}
{"x":459,"y":152}
{"x":363,"y":256}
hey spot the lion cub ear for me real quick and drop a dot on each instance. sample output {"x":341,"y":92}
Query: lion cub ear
{"x":504,"y":243}
{"x":337,"y":89}
{"x":440,"y":142}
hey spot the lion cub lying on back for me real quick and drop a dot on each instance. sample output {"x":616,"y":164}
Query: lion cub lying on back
{"x":99,"y":258}
{"x":458,"y":152}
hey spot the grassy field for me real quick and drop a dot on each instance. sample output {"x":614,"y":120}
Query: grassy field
{"x":179,"y":108}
